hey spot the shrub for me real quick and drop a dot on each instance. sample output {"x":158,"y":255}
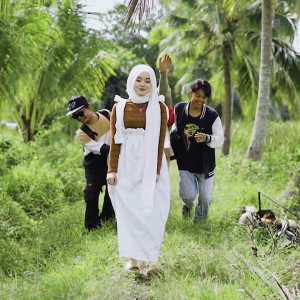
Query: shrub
{"x":35,"y":188}
{"x":63,"y":157}
{"x":15,"y":230}
{"x":10,"y":155}
{"x":14,"y":221}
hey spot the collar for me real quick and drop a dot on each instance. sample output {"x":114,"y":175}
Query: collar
{"x":186,"y":110}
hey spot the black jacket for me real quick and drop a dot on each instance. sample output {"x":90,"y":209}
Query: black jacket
{"x":198,"y":157}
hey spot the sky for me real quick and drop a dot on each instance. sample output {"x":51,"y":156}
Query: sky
{"x":104,"y":5}
{"x":100,"y":5}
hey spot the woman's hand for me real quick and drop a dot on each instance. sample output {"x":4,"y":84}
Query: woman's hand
{"x":157,"y":177}
{"x":111,"y":178}
{"x":164,"y":63}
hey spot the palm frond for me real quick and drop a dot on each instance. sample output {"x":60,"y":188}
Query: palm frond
{"x":177,"y":21}
{"x":136,"y":8}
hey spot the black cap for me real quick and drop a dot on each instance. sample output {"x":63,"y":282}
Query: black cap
{"x":75,"y":103}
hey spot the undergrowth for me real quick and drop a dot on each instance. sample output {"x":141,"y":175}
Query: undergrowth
{"x":46,"y":253}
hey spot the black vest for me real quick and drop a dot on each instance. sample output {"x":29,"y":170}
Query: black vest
{"x":187,"y":157}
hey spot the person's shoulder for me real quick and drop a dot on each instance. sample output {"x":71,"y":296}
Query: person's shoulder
{"x":180,"y":105}
{"x":211,"y":110}
{"x":82,"y":137}
{"x":103,"y":116}
{"x":127,"y":101}
{"x":104,"y":112}
{"x":211,"y":113}
{"x":163,"y":106}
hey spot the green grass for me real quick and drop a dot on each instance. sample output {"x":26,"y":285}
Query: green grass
{"x":211,"y":260}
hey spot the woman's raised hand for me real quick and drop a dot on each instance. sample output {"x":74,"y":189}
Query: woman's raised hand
{"x":164,"y":63}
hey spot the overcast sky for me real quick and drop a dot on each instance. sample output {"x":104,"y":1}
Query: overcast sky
{"x":100,"y":5}
{"x":104,"y":5}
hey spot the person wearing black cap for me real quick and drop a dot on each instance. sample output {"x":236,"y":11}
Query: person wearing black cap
{"x":94,"y":135}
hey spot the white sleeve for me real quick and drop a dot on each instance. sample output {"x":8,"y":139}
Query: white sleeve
{"x":217,"y":137}
{"x":95,"y":146}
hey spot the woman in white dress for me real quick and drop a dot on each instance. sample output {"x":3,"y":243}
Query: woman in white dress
{"x":137,"y":173}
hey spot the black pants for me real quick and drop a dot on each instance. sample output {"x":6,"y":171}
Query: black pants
{"x":95,"y":181}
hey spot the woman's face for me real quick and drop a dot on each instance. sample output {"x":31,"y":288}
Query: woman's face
{"x":142,"y":84}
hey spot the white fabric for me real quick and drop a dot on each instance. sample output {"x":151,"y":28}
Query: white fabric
{"x":119,"y":136}
{"x":95,"y":146}
{"x":151,"y":139}
{"x":140,"y":235}
{"x":167,"y":143}
{"x":140,"y":202}
{"x":217,"y":137}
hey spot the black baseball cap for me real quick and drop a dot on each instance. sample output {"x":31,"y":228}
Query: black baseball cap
{"x":75,"y":103}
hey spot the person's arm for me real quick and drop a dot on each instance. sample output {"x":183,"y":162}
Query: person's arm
{"x":100,"y":146}
{"x":164,"y":88}
{"x":113,"y":157}
{"x":163,"y":129}
{"x":216,"y":140}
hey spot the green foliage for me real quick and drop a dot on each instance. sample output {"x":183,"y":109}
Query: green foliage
{"x":47,"y":55}
{"x":15,"y":225}
{"x":14,"y":220}
{"x":194,"y":32}
{"x":54,"y":257}
{"x":8,"y":156}
{"x":128,"y":49}
{"x":35,"y":188}
{"x":65,"y":160}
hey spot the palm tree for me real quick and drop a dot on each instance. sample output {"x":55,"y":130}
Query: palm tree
{"x":136,"y":7}
{"x":49,"y":57}
{"x":255,"y":147}
{"x":209,"y":31}
{"x":226,"y":34}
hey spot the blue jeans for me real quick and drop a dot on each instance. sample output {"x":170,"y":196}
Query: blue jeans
{"x":189,"y":185}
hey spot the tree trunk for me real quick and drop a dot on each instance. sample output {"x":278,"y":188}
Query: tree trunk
{"x":263,"y":102}
{"x":25,"y":124}
{"x":227,"y":103}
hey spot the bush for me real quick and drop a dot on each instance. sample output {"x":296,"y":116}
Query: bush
{"x":14,"y":221}
{"x":63,"y":157}
{"x":35,"y":188}
{"x":15,"y":227}
{"x":10,"y":155}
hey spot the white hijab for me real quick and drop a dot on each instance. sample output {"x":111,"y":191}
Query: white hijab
{"x":152,"y":131}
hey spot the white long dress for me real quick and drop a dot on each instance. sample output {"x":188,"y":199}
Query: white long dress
{"x":139,"y":236}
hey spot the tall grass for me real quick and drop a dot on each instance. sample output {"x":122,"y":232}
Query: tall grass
{"x":57,"y":259}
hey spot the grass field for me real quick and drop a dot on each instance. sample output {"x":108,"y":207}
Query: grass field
{"x":211,"y":260}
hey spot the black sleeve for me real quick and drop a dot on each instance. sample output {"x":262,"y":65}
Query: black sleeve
{"x":104,"y":150}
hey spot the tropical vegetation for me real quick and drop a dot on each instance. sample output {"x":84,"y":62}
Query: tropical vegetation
{"x":46,"y":253}
{"x":244,"y":49}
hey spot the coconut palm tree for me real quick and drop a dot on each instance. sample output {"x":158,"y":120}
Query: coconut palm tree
{"x":202,"y":31}
{"x":47,"y":56}
{"x":263,"y":102}
{"x":226,"y":34}
{"x":255,"y":147}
